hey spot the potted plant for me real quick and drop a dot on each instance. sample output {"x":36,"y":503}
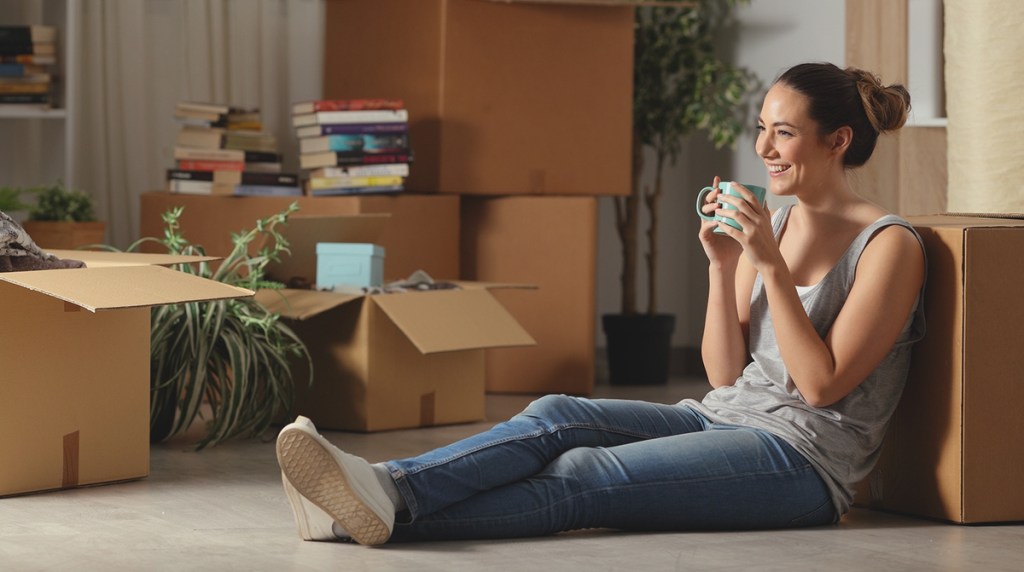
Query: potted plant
{"x":229,"y":357}
{"x":680,"y":85}
{"x":63,"y":218}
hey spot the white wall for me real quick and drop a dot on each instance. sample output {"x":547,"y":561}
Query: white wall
{"x":772,"y":35}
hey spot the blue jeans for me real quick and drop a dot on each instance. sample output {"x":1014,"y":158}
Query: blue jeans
{"x":568,"y":463}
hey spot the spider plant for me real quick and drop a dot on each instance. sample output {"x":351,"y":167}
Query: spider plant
{"x":230,"y":356}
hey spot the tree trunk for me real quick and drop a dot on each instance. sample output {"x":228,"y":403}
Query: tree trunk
{"x":627,"y":223}
{"x":653,"y":201}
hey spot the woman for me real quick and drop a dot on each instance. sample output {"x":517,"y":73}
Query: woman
{"x":810,"y":319}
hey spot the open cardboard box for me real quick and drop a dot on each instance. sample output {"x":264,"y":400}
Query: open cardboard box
{"x":74,"y":348}
{"x":952,"y":450}
{"x":391,"y":361}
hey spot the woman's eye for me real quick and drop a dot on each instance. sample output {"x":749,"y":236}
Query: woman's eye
{"x":759,"y":127}
{"x":784,"y":133}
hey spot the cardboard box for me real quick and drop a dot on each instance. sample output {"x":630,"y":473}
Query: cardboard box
{"x":423,"y":232}
{"x":550,"y":242}
{"x":952,"y":451}
{"x":506,"y":97}
{"x":74,"y":394}
{"x":394,"y":360}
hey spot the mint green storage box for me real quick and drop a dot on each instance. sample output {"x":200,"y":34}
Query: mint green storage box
{"x":349,"y":264}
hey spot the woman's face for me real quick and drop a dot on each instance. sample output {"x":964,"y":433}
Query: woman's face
{"x":788,"y":141}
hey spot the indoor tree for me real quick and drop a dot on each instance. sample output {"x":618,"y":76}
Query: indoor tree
{"x":681,"y":85}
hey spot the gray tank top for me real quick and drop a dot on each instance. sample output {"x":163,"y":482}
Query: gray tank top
{"x":843,"y":440}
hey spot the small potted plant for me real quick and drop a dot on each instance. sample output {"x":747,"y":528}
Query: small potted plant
{"x":680,"y":85}
{"x":63,"y":218}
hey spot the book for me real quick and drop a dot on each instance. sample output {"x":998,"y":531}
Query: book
{"x":345,"y":105}
{"x":382,"y":170}
{"x":249,"y":140}
{"x":334,"y":158}
{"x":340,"y":182}
{"x":204,"y":165}
{"x":32,"y":34}
{"x":334,"y":117}
{"x":6,"y":88}
{"x":20,"y":70}
{"x":201,"y":137}
{"x":350,"y":129}
{"x":23,"y":79}
{"x":235,"y":177}
{"x":268,"y":190}
{"x":37,"y":99}
{"x":367,"y":143}
{"x":44,"y":49}
{"x":199,"y":154}
{"x":355,"y":191}
{"x":31,"y":59}
{"x":199,"y":187}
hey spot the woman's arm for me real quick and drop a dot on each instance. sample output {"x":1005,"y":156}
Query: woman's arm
{"x":888,"y":279}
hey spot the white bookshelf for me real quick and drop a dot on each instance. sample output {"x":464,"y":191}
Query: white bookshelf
{"x":36,"y":145}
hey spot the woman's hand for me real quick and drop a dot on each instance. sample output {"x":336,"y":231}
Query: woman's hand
{"x":757,"y":238}
{"x":721,"y":251}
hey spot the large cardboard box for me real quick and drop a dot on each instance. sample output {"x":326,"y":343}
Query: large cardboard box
{"x":423,"y":232}
{"x":391,"y":360}
{"x":507,"y":97}
{"x":74,"y":392}
{"x":549,"y":242}
{"x":953,"y":450}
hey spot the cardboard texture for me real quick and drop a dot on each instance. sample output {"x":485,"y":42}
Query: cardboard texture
{"x":951,"y":452}
{"x":393,"y":361}
{"x":74,"y":395}
{"x":422,"y":232}
{"x":503,"y":97}
{"x":549,"y":242}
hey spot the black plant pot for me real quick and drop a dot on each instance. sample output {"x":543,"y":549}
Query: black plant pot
{"x":638,"y":347}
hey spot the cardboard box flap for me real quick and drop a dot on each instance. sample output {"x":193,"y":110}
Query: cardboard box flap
{"x":453,"y":320}
{"x":123,"y":286}
{"x":302,"y":304}
{"x":100,"y":259}
{"x":475,"y":285}
{"x":304,"y":232}
{"x":965,"y":221}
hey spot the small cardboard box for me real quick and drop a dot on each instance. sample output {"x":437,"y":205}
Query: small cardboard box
{"x":390,"y":361}
{"x":508,"y":97}
{"x":953,"y":451}
{"x":349,"y":264}
{"x":550,"y":242}
{"x":74,"y":392}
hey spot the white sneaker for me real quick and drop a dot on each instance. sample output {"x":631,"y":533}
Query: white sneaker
{"x":339,"y":486}
{"x":312,"y":521}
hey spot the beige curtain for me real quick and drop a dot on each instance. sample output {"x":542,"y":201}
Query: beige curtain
{"x":983,"y":46}
{"x":137,"y":59}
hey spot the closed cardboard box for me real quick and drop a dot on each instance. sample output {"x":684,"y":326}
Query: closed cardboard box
{"x":953,"y":450}
{"x":423,"y":232}
{"x":507,"y":97}
{"x":551,"y":243}
{"x":74,"y":393}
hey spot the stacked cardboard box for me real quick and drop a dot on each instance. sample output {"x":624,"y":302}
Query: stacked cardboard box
{"x":518,"y":107}
{"x":950,"y":451}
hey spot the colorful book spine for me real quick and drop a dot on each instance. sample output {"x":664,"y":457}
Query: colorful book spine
{"x":267,"y":190}
{"x":355,"y":191}
{"x":367,"y":143}
{"x":204,"y":165}
{"x":339,"y":182}
{"x":334,"y":158}
{"x":346,"y":105}
{"x":383,"y":170}
{"x":350,"y":129}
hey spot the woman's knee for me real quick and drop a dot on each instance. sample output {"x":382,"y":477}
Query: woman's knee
{"x":552,"y":407}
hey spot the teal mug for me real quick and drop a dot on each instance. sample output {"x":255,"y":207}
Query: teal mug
{"x":727,"y":189}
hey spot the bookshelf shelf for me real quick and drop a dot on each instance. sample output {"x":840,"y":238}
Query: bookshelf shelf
{"x":36,"y":145}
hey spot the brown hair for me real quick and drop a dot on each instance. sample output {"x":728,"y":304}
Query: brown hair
{"x":850,"y":97}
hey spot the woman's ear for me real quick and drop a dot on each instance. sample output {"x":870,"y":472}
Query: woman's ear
{"x":840,"y":139}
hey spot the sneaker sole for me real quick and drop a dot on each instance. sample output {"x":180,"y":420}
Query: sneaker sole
{"x":315,"y":475}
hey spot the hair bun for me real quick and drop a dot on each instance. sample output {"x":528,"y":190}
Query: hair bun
{"x":886,"y":107}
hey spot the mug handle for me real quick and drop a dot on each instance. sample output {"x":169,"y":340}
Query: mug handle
{"x":700,"y":203}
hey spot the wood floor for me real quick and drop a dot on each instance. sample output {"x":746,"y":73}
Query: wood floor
{"x":223,"y":509}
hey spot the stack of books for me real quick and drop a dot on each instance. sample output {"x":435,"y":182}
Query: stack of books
{"x":27,"y":55}
{"x":223,"y":150}
{"x":353,"y":146}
